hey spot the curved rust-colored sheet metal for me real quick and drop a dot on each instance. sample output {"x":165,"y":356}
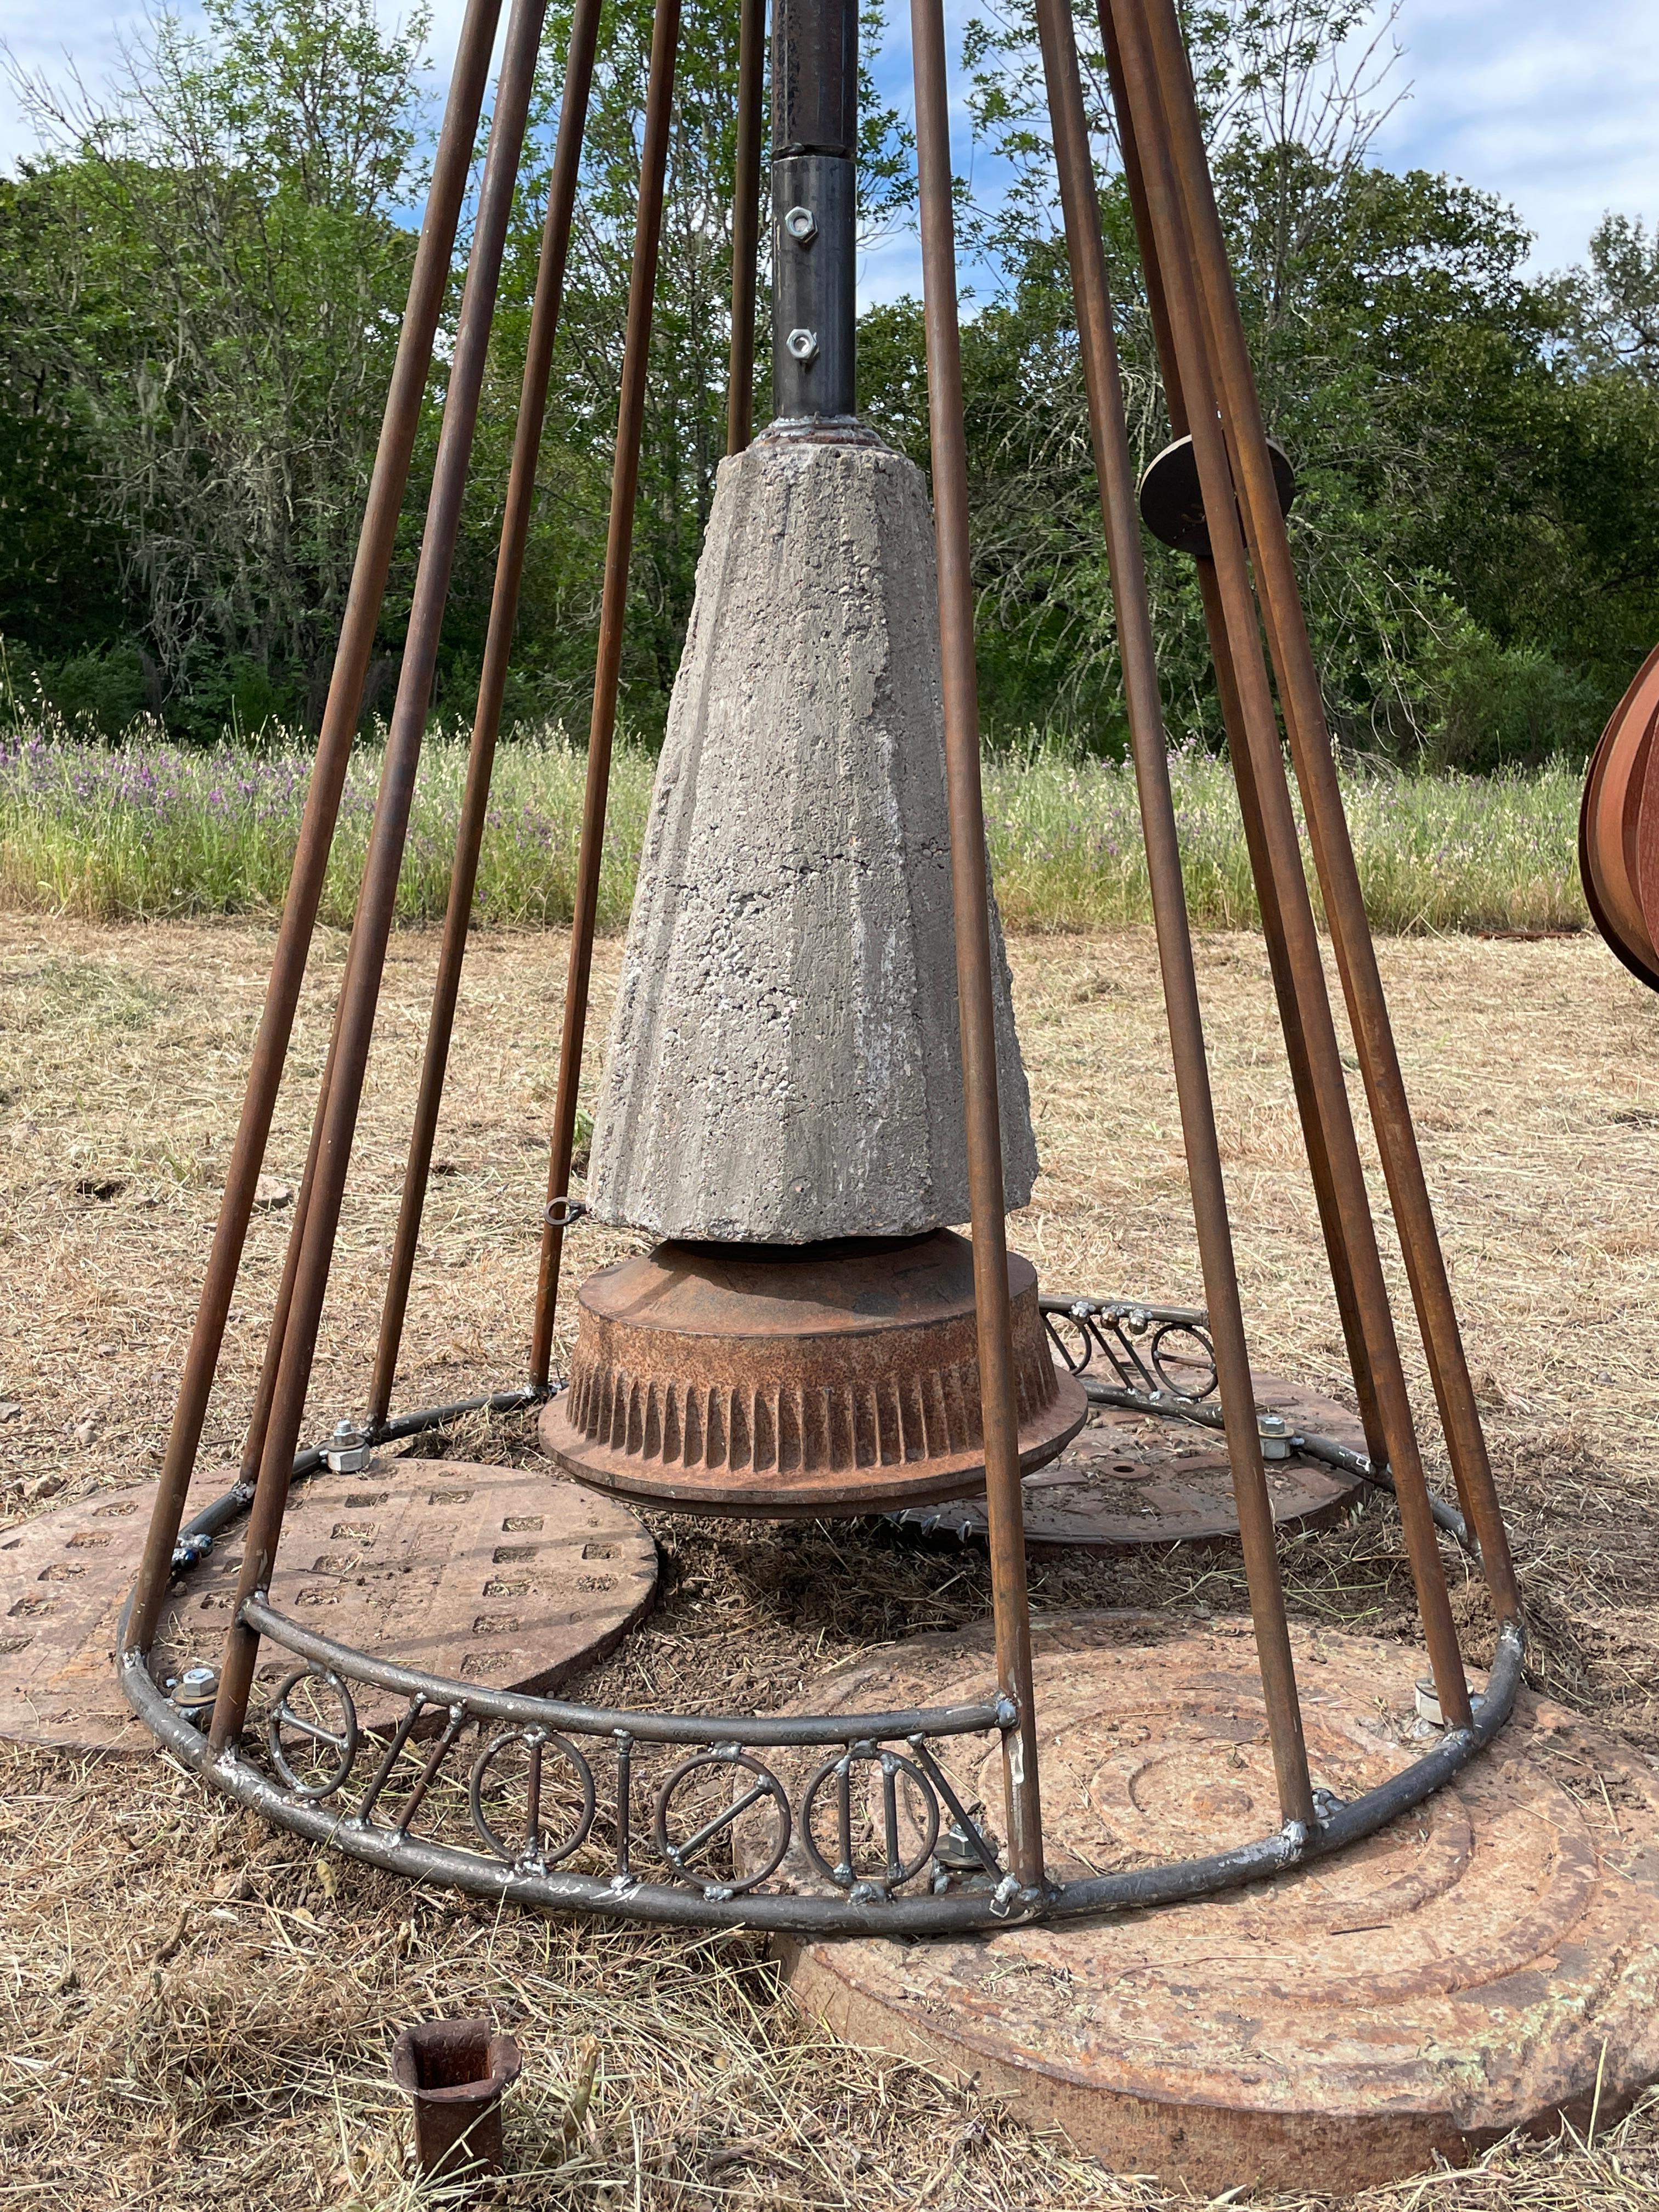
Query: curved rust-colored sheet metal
{"x":1611,"y":851}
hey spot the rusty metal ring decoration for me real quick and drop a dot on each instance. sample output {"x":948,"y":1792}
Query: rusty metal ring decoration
{"x":282,"y":1715}
{"x":767,"y":1785}
{"x":844,"y":1873}
{"x":537,"y":1741}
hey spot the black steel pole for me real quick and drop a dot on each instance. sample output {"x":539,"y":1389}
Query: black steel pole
{"x":815,"y":122}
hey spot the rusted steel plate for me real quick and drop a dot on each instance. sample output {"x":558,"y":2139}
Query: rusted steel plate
{"x":498,"y":1575}
{"x":1130,"y":1478}
{"x":1459,"y":1974}
{"x":1619,"y":828}
{"x":832,"y":1379}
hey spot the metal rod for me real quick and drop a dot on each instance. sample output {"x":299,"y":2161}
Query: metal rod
{"x":492,"y":684}
{"x":1115,"y":473}
{"x":970,"y":898}
{"x":1273,"y":927}
{"x":745,"y":223}
{"x":427,"y":284}
{"x":1278,"y":821}
{"x":360,"y":989}
{"x":619,"y":546}
{"x":1333,"y":847}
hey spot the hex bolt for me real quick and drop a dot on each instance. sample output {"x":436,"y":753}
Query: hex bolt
{"x":802,"y":344}
{"x":801,"y":224}
{"x":347,"y":1451}
{"x":1275,"y":1436}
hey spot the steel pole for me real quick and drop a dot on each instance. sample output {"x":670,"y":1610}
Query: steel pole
{"x":1272,"y":926}
{"x":1116,"y":474}
{"x":970,"y":894}
{"x":492,"y":684}
{"x":429,"y":281}
{"x":625,"y":487}
{"x":745,"y":224}
{"x":1284,"y":850}
{"x":360,"y":990}
{"x":1328,"y":826}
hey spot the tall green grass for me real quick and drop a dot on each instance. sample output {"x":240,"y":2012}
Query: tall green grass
{"x":146,"y":830}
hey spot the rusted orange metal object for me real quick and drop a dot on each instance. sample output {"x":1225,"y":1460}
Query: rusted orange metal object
{"x":1619,"y":828}
{"x":780,"y":1379}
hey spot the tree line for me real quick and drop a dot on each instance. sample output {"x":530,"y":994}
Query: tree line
{"x":203,"y":269}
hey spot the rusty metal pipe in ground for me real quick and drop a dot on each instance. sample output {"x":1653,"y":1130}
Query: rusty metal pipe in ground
{"x":366,"y":961}
{"x":1004,"y":1496}
{"x":427,"y":284}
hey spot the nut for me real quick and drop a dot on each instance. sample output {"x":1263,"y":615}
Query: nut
{"x":804,"y":346}
{"x":801,"y":224}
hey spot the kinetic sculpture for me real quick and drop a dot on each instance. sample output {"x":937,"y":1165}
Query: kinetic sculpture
{"x":813,"y":1068}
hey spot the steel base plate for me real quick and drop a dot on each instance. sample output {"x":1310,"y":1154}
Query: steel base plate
{"x":1132,"y":1479}
{"x":1461,"y":1973}
{"x":505,"y":1577}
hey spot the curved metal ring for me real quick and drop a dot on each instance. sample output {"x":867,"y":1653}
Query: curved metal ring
{"x":345,"y":1743}
{"x":1155,"y":1353}
{"x":898,"y":1871}
{"x":535,"y":1741}
{"x":767,"y":1785}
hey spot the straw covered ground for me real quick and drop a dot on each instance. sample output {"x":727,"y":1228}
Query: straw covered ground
{"x":195,"y":2013}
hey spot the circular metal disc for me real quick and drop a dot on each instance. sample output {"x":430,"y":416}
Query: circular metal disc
{"x":501,"y":1576}
{"x":1463,"y":1973}
{"x":1172,"y":503}
{"x":1133,"y":1478}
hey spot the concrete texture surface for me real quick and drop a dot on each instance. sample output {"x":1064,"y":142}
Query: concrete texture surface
{"x":784,"y":1063}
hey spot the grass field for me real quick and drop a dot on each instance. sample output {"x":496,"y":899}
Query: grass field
{"x":145,"y":830}
{"x":194,"y":2012}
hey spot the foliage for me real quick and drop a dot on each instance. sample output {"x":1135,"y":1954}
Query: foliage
{"x":200,"y":281}
{"x":214,"y":259}
{"x":148,"y":828}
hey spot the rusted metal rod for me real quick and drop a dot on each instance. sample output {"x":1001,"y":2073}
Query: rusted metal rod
{"x":492,"y":684}
{"x":377,"y":897}
{"x":1273,"y":928}
{"x":745,"y":224}
{"x":1116,"y":474}
{"x":1284,"y":851}
{"x":1339,"y":877}
{"x":429,"y":281}
{"x":1004,"y":1498}
{"x":619,"y":546}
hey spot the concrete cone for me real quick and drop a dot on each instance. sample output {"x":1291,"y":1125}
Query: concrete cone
{"x":784,"y":1063}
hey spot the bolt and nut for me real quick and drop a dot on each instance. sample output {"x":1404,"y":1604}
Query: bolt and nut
{"x":804,"y":346}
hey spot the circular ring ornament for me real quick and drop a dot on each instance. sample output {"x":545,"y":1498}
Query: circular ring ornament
{"x":1199,"y":1362}
{"x":767,"y":1785}
{"x":897,"y":1871}
{"x":310,"y":1726}
{"x":537,"y":1741}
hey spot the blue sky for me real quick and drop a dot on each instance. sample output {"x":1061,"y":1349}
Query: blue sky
{"x":1552,"y":106}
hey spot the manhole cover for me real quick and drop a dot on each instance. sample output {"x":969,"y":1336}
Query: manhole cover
{"x":1465,"y":1971}
{"x":1134,"y":1478}
{"x":505,"y":1577}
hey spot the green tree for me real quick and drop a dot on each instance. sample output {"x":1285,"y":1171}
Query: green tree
{"x":225,"y":246}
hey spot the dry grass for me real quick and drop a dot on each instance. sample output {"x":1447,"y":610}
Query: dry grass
{"x":198,"y":2013}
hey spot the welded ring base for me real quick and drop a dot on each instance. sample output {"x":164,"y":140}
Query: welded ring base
{"x":779,"y":1380}
{"x":1459,"y":1974}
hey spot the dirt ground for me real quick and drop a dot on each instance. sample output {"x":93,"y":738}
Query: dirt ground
{"x":198,"y":2013}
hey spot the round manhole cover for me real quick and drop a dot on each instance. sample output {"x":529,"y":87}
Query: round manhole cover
{"x":1131,"y":1478}
{"x":506,"y":1576}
